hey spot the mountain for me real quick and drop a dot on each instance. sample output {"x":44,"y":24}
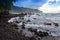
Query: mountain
{"x":19,"y":10}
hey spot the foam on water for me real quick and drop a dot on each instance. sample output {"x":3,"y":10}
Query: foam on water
{"x":37,"y":22}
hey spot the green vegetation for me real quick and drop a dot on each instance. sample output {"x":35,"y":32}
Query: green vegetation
{"x":5,"y":5}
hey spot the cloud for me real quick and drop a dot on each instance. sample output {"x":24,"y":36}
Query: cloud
{"x":47,"y":6}
{"x":30,"y":3}
{"x":50,"y":7}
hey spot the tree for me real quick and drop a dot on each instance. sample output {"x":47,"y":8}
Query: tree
{"x":5,"y":5}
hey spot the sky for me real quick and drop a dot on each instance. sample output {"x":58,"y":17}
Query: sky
{"x":47,"y":6}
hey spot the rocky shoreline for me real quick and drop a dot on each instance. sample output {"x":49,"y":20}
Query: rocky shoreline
{"x":9,"y":31}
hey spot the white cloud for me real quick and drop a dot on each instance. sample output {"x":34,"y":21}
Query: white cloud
{"x":29,"y":3}
{"x":54,"y":0}
{"x":57,"y":0}
{"x":46,"y":8}
{"x":51,"y":0}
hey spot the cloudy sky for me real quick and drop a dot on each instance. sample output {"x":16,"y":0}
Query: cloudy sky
{"x":47,"y":6}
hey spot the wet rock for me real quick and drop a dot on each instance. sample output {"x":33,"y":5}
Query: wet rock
{"x":47,"y":24}
{"x":41,"y":34}
{"x":56,"y":24}
{"x":23,"y":26}
{"x":28,"y":21}
{"x":32,"y":30}
{"x":34,"y":18}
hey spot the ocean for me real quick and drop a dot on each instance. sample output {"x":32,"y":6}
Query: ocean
{"x":46,"y":22}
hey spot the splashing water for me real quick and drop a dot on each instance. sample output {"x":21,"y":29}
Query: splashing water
{"x":42,"y":22}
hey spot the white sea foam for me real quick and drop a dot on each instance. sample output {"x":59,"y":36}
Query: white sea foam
{"x":37,"y":22}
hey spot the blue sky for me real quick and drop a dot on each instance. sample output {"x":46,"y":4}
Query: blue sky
{"x":30,"y":3}
{"x":47,"y":6}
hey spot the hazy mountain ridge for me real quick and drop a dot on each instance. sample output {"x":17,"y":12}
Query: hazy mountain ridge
{"x":24,"y":10}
